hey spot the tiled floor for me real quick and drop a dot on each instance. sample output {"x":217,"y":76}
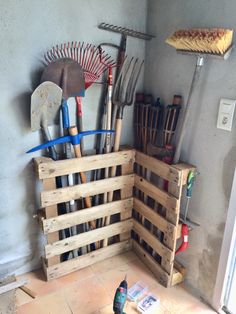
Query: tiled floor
{"x":91,"y":290}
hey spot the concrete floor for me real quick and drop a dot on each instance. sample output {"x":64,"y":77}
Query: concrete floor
{"x":91,"y":290}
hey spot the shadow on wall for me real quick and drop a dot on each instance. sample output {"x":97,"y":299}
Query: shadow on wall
{"x":208,"y":263}
{"x":228,"y":172}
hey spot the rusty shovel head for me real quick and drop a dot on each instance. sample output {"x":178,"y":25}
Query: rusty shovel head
{"x":45,"y":105}
{"x":68,"y":74}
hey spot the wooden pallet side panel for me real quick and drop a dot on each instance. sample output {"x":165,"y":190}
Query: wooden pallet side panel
{"x":126,"y":169}
{"x":78,"y":191}
{"x":49,"y":211}
{"x":46,"y":169}
{"x":75,"y":264}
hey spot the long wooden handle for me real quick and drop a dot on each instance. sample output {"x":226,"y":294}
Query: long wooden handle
{"x":73,"y":131}
{"x":116,"y":149}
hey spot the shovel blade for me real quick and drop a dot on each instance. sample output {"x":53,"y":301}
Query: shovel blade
{"x":68,"y":74}
{"x":45,"y":105}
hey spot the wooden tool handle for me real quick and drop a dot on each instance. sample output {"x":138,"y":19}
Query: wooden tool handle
{"x":118,"y":135}
{"x":73,"y":131}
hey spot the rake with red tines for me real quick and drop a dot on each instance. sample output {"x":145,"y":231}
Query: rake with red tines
{"x":93,"y":60}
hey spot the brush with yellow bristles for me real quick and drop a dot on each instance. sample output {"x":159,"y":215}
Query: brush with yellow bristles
{"x":202,"y":40}
{"x":203,"y":43}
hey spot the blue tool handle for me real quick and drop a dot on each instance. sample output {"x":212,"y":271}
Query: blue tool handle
{"x":74,"y":140}
{"x":65,"y":115}
{"x":190,"y":182}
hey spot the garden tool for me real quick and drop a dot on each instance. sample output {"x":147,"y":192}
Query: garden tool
{"x":124,"y":94}
{"x":74,"y":139}
{"x":45,"y":108}
{"x":202,"y":43}
{"x":93,"y":60}
{"x":68,"y":74}
{"x":189,"y":189}
{"x":125,"y":32}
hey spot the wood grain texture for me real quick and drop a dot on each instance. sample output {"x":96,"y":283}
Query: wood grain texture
{"x":87,"y":189}
{"x":74,"y":264}
{"x":160,"y":196}
{"x":85,"y":215}
{"x":87,"y":238}
{"x":52,"y":169}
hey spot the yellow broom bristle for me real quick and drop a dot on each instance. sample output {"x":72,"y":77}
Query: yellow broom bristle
{"x":205,"y":40}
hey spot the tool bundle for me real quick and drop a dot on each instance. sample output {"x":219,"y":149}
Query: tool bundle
{"x":70,"y":69}
{"x":92,"y":204}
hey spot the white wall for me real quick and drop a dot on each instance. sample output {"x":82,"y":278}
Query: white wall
{"x":212,"y":150}
{"x":28,"y":29}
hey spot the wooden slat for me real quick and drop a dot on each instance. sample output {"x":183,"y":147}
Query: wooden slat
{"x":74,"y":264}
{"x":156,"y":219}
{"x":158,"y":247}
{"x":158,"y":167}
{"x":87,"y":238}
{"x":75,"y":165}
{"x":160,"y":196}
{"x":51,"y":211}
{"x":177,"y":277}
{"x":162,"y":276}
{"x":85,"y":215}
{"x":12,"y":285}
{"x":184,"y":168}
{"x":86,"y":189}
{"x":124,"y":193}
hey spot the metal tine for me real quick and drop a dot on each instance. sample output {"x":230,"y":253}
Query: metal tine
{"x":130,"y":81}
{"x":124,"y":80}
{"x":135,"y":81}
{"x":116,"y":93}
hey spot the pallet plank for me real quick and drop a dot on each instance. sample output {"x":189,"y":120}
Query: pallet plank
{"x":157,"y":246}
{"x":158,"y":167}
{"x":156,"y":219}
{"x":124,"y":193}
{"x":87,"y":163}
{"x":86,"y":189}
{"x":74,"y":264}
{"x":85,"y":215}
{"x":87,"y":238}
{"x":159,"y":195}
{"x":162,"y":276}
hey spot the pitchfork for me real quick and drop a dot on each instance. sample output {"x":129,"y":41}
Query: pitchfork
{"x":123,"y":95}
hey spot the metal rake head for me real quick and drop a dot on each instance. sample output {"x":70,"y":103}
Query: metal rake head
{"x":93,"y":61}
{"x":124,"y":90}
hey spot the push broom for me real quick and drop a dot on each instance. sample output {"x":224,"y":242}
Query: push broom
{"x":202,"y":43}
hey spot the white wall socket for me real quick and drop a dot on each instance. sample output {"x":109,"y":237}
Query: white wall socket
{"x":226,"y":114}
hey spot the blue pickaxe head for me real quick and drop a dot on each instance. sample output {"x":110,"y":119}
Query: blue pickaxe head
{"x":73,"y":139}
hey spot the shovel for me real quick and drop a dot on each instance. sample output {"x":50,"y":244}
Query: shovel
{"x":45,"y":109}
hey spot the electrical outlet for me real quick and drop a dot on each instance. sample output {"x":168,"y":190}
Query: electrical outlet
{"x":226,"y":114}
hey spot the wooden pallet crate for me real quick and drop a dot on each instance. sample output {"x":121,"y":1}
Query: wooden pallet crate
{"x":167,"y":271}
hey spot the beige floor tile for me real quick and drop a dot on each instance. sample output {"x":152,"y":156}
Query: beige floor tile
{"x":22,"y":297}
{"x":113,"y":262}
{"x":175,"y":299}
{"x":75,"y":276}
{"x":86,"y":296}
{"x":200,"y":308}
{"x":143,"y":273}
{"x":112,"y":278}
{"x":38,"y":283}
{"x":53,"y":303}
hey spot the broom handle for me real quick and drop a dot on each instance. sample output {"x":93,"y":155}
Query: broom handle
{"x":196,"y":75}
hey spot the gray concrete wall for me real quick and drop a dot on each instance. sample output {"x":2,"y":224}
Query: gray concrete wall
{"x":211,"y":149}
{"x":28,"y":29}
